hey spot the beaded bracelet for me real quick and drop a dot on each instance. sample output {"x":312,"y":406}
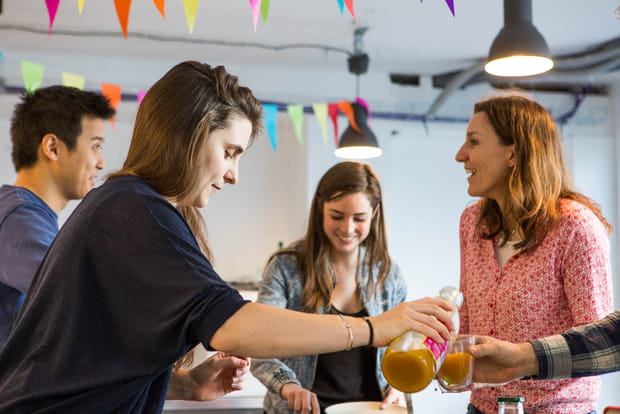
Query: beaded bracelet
{"x":348,"y":325}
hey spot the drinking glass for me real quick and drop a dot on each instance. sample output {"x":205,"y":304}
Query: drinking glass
{"x":456,"y":372}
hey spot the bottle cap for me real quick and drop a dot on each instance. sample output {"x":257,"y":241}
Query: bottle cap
{"x":510,"y":399}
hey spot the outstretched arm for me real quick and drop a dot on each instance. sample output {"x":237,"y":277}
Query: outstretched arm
{"x":263,"y":331}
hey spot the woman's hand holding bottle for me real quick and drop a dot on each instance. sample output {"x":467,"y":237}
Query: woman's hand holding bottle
{"x":428,"y":316}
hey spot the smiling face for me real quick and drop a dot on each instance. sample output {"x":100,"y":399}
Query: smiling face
{"x":77,"y":169}
{"x":346,"y":222}
{"x":487,"y":162}
{"x":223,"y":149}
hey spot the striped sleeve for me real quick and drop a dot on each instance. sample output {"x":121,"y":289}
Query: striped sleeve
{"x":585,"y":350}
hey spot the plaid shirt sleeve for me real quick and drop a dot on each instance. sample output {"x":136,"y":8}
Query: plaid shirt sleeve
{"x":585,"y":350}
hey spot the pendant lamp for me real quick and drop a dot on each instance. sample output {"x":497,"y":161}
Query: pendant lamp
{"x":360,"y":143}
{"x":519,"y":49}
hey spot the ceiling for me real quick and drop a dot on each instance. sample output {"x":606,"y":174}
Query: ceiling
{"x":404,"y":36}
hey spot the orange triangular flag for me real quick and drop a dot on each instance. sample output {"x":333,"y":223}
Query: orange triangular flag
{"x":122,"y":11}
{"x":160,"y":6}
{"x":113,"y":93}
{"x":191,"y":8}
{"x":346,"y":108}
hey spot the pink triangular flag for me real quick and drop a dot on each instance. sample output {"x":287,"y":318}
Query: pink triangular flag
{"x":332,"y":111}
{"x":141,"y":96}
{"x":255,"y":6}
{"x":191,"y":8}
{"x":52,"y":8}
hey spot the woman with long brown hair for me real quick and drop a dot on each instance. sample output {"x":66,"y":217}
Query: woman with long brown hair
{"x":127,"y":288}
{"x":342,"y":266}
{"x":535,"y":253}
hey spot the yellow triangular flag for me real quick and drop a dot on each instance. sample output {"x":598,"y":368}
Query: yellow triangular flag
{"x":80,"y":5}
{"x":320,"y":112}
{"x":32,"y":75}
{"x":191,"y":8}
{"x":71,"y":79}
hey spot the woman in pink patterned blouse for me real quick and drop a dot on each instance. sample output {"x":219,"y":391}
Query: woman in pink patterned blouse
{"x":534,"y":252}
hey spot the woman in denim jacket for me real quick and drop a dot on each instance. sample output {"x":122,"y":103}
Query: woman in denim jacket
{"x":329,"y":271}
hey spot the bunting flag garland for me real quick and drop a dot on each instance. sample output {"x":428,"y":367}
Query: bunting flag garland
{"x":296,"y":112}
{"x":255,"y":6}
{"x":332,"y":111}
{"x":341,"y":7}
{"x":346,"y":108}
{"x":32,"y":75}
{"x":264,"y":10}
{"x":259,"y":8}
{"x":113,"y":93}
{"x":52,"y":8}
{"x":191,"y":8}
{"x":160,"y":6}
{"x":122,"y":11}
{"x":71,"y":79}
{"x":320,"y":112}
{"x":270,"y":116}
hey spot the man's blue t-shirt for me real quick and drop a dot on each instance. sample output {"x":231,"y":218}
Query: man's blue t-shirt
{"x":123,"y":292}
{"x":27,"y":228}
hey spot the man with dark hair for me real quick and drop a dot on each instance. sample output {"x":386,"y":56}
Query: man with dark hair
{"x":57,"y":135}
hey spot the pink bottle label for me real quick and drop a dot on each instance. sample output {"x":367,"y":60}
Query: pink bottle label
{"x":438,"y":350}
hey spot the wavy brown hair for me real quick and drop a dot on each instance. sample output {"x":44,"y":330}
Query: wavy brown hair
{"x":539,"y":180}
{"x":172,"y":127}
{"x":340,"y":180}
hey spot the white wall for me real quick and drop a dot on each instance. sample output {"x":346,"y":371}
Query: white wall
{"x":425,"y":192}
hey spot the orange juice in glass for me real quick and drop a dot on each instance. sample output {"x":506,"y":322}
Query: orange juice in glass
{"x":456,"y":372}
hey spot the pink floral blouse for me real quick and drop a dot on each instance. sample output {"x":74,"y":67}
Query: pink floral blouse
{"x":564,"y":282}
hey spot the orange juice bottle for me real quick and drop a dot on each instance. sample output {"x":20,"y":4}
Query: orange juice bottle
{"x":412,"y":360}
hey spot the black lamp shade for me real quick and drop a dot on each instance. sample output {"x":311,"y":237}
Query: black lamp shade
{"x":519,"y":38}
{"x":519,"y":48}
{"x":354,"y":144}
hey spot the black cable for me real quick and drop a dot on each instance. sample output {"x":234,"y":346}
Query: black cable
{"x":179,"y":39}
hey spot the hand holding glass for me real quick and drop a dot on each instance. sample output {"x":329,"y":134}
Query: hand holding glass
{"x":455,"y":374}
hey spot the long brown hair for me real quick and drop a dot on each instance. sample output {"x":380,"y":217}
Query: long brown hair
{"x":172,"y":127}
{"x":340,"y":180}
{"x":539,"y":179}
{"x":173,"y":124}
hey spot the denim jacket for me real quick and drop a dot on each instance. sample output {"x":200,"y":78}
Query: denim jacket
{"x":281,"y":287}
